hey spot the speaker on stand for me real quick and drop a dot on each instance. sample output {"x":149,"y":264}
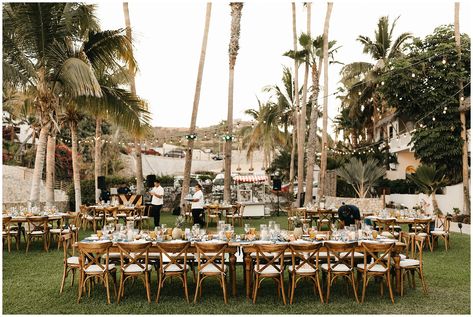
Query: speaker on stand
{"x":277,"y":182}
{"x":150,"y":179}
{"x":101,"y":182}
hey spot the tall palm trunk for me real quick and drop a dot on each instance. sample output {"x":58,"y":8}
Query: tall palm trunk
{"x":302,"y":119}
{"x":323,"y":159}
{"x":50,"y":167}
{"x":75,"y":166}
{"x":236,"y":8}
{"x":313,"y":141}
{"x":296,"y":100}
{"x":466,"y":186}
{"x":98,"y":156}
{"x":195,"y":106}
{"x":293,"y":155}
{"x":138,"y":160}
{"x":435,"y":204}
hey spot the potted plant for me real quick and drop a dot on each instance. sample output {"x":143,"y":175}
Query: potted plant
{"x":177,"y":231}
{"x":457,"y":217}
{"x":297,"y":227}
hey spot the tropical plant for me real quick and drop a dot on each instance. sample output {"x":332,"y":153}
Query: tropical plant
{"x":361,"y":176}
{"x":236,"y":8}
{"x":35,"y":36}
{"x":180,"y":221}
{"x":195,"y":106}
{"x":429,"y":179}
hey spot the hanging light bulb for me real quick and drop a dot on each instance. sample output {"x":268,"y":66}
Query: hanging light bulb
{"x":444,"y":61}
{"x":433,"y":118}
{"x":359,"y":93}
{"x":413,"y":75}
{"x":382,"y":83}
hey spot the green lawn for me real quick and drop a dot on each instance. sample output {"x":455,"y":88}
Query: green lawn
{"x":31,"y":286}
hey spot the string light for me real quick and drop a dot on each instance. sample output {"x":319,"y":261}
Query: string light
{"x":413,"y":75}
{"x":444,"y":61}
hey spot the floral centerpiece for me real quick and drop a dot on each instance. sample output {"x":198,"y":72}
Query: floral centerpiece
{"x":177,"y":231}
{"x":297,"y":221}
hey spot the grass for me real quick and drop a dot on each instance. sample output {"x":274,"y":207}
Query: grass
{"x":31,"y":286}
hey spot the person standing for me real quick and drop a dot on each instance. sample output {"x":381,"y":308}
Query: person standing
{"x":157,"y":201}
{"x":198,"y":206}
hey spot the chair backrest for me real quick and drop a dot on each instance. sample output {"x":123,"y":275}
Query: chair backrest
{"x":386,"y":224}
{"x":406,"y":238}
{"x":340,"y":253}
{"x":37,"y":223}
{"x":417,"y":247}
{"x":422,"y":225}
{"x":91,"y":254}
{"x":443,"y":223}
{"x":176,"y":252}
{"x":110,"y":211}
{"x":209,"y":254}
{"x":67,"y":241}
{"x":378,"y":254}
{"x":6,"y":224}
{"x":305,"y":255}
{"x":324,"y":215}
{"x":132,"y":253}
{"x":269,"y":256}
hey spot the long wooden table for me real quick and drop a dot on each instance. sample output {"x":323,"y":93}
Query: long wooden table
{"x":248,"y":248}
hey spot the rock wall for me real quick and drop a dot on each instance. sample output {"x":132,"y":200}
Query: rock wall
{"x":364,"y":204}
{"x":16,"y":187}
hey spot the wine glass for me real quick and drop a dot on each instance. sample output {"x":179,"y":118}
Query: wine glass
{"x":247,"y":228}
{"x":305,"y":228}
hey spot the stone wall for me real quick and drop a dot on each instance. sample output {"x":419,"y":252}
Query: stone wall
{"x":16,"y":186}
{"x":364,"y":204}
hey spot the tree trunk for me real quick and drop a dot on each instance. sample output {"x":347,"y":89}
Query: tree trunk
{"x":50,"y":168}
{"x":465,"y":176}
{"x":435,"y":204}
{"x":312,"y":143}
{"x":39,"y":164}
{"x":236,"y":8}
{"x":293,"y":156}
{"x":323,"y":159}
{"x":296,"y":99}
{"x":302,"y":120}
{"x":139,"y":168}
{"x":195,"y":106}
{"x":75,"y":166}
{"x":98,"y":156}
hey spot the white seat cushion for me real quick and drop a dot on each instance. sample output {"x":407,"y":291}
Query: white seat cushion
{"x":175,"y":268}
{"x":35,"y":233}
{"x":409,"y":263}
{"x":57,"y":230}
{"x":388,"y":234}
{"x":422,"y":234}
{"x":338,"y":268}
{"x":323,"y":254}
{"x":212,"y":269}
{"x":96,"y":269}
{"x":375,"y":268}
{"x":121,"y":215}
{"x":135,"y":268}
{"x":305,"y":268}
{"x":268,"y":270}
{"x":438,"y":233}
{"x":402,"y":256}
{"x":74,"y":260}
{"x":355,"y":254}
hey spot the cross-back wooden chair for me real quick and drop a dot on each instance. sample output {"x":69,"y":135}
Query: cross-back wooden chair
{"x":95,"y":217}
{"x":324,"y":219}
{"x":110,"y":215}
{"x":405,"y":237}
{"x":134,"y":262}
{"x":91,"y":267}
{"x":212,"y":214}
{"x":187,"y":211}
{"x":235,"y":214}
{"x":292,"y":213}
{"x":173,"y":263}
{"x":136,"y":216}
{"x":380,"y":266}
{"x":70,"y":260}
{"x":414,"y":264}
{"x":442,"y":231}
{"x":421,"y":227}
{"x":37,"y":228}
{"x":63,"y":227}
{"x":9,"y":232}
{"x":269,"y":264}
{"x":340,"y":263}
{"x":84,"y":212}
{"x":305,"y":264}
{"x":387,"y":227}
{"x":211,"y":263}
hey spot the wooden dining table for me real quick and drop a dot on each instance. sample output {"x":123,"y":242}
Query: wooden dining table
{"x":249,"y":247}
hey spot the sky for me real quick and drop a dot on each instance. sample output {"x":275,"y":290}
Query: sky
{"x":168,"y":36}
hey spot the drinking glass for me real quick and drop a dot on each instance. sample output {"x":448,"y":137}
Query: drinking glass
{"x":374,"y":233}
{"x":305,"y":228}
{"x":271,"y":224}
{"x":163,"y":226}
{"x":277,"y":228}
{"x":247,"y":228}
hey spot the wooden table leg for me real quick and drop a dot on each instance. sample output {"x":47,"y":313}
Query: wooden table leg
{"x":233,"y":273}
{"x":247,"y":260}
{"x":397,"y":269}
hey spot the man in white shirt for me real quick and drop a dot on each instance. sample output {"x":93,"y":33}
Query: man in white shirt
{"x":157,"y":201}
{"x":198,"y":206}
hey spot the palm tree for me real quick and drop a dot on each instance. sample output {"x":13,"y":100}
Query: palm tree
{"x":361,"y":176}
{"x":429,"y":179}
{"x":463,"y":110}
{"x":236,"y":8}
{"x":138,"y":160}
{"x":312,"y":55}
{"x":195,"y":106}
{"x":34,"y":37}
{"x":323,"y":156}
{"x":362,"y":78}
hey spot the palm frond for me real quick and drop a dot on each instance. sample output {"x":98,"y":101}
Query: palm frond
{"x":78,"y":79}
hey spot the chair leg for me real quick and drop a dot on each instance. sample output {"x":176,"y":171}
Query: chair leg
{"x":160,"y":284}
{"x":107,"y":288}
{"x":354,"y":287}
{"x":293,"y":287}
{"x":197,"y":288}
{"x":255,"y":288}
{"x":319,"y":288}
{"x":64,"y":274}
{"x":388,"y":281}
{"x":363,"y":292}
{"x":185,"y":287}
{"x":120,"y":288}
{"x":148,"y":294}
{"x":329,"y":282}
{"x":422,"y":280}
{"x":80,"y":287}
{"x":224,"y":286}
{"x":281,"y":278}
